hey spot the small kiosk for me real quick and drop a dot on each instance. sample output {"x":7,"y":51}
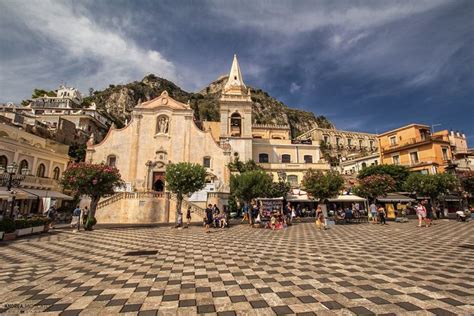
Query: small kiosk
{"x":395,"y":205}
{"x":269,"y":207}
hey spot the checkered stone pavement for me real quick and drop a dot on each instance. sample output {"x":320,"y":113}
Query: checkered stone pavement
{"x":352,"y":269}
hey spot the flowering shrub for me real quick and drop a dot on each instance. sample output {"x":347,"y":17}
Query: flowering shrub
{"x":92,"y":180}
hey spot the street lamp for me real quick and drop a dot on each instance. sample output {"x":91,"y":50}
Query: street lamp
{"x":10,"y":178}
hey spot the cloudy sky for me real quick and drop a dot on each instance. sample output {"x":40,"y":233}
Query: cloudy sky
{"x":367,"y":65}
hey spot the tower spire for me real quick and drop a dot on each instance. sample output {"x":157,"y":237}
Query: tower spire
{"x":235,"y":83}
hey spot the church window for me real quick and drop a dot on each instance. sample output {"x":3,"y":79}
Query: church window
{"x":308,"y":159}
{"x":111,"y":161}
{"x":235,"y":125}
{"x":285,"y":158}
{"x":206,"y":162}
{"x":263,"y":158}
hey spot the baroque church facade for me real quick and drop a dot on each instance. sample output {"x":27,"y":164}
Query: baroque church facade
{"x":163,"y":131}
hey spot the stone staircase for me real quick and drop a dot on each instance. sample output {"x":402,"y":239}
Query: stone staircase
{"x":167,"y":201}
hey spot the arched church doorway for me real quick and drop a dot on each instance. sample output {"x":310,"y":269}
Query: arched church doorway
{"x":159,"y":181}
{"x":158,"y":186}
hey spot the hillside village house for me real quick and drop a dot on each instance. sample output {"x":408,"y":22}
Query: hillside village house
{"x":41,"y":161}
{"x":163,"y":131}
{"x":60,"y":117}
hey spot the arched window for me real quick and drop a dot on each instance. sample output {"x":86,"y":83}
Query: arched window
{"x":364,"y":165}
{"x":56,"y":173}
{"x":308,"y":159}
{"x":206,"y":162}
{"x":293,"y":180}
{"x":263,"y":158}
{"x":3,"y":162}
{"x":235,"y":125}
{"x":111,"y":161}
{"x":23,"y":168}
{"x":285,"y":158}
{"x":41,"y":171}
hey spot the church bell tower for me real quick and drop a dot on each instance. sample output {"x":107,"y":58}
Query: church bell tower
{"x":236,"y":113}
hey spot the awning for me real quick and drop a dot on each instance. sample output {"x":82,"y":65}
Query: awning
{"x":35,"y":193}
{"x":394,"y":197}
{"x":347,"y":198}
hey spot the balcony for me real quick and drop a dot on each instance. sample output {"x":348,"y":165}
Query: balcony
{"x":33,"y":181}
{"x":412,"y":142}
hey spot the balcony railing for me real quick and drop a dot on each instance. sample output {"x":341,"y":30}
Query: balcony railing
{"x":413,"y":141}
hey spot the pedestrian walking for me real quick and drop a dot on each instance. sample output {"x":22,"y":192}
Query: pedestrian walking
{"x":85,"y":215}
{"x":429,"y":213}
{"x":421,"y":213}
{"x":76,"y":218}
{"x":373,"y":212}
{"x":382,"y":215}
{"x":245,"y":210}
{"x":320,"y":220}
{"x":208,"y":221}
{"x":188,"y":216}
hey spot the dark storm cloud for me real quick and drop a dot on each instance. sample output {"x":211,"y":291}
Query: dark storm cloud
{"x":367,"y":65}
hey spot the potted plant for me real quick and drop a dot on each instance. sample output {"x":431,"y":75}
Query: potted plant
{"x":7,"y":227}
{"x":37,"y":225}
{"x":23,"y":227}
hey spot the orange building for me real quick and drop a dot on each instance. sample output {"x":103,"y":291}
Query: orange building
{"x":417,"y":148}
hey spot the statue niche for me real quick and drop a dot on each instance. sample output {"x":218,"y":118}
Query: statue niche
{"x":162,"y":124}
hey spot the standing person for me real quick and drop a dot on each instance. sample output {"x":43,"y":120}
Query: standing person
{"x":320,"y":221}
{"x":429,"y":213}
{"x":51,"y":214}
{"x":188,"y":216}
{"x":246,"y":213}
{"x":85,"y":215}
{"x":208,"y":217}
{"x":373,"y":212}
{"x":382,"y":214}
{"x":421,"y":213}
{"x":180,"y":219}
{"x":76,"y":218}
{"x":439,"y":214}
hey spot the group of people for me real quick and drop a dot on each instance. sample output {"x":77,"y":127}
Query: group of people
{"x":276,"y":218}
{"x":378,"y":214}
{"x":79,"y":217}
{"x":215,"y":217}
{"x":424,"y":211}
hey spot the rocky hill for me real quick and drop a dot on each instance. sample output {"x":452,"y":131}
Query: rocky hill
{"x":117,"y":102}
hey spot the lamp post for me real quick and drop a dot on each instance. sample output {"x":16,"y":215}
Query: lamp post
{"x":10,"y":179}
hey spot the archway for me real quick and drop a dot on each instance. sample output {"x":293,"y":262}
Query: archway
{"x":235,"y":125}
{"x":158,"y":185}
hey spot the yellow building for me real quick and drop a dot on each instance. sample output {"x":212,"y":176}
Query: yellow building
{"x":417,"y":148}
